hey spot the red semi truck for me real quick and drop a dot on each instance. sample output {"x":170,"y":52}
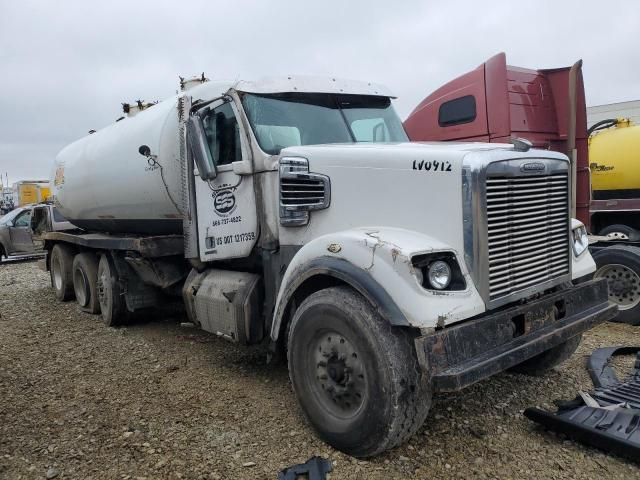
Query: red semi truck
{"x":497,"y":102}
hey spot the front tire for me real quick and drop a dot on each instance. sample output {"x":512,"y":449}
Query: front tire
{"x":110,"y":293}
{"x":356,"y":377}
{"x":60,"y":269}
{"x":540,"y":364}
{"x":85,"y":282}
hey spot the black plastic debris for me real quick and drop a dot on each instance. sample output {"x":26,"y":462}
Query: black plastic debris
{"x":316,"y":468}
{"x":607,"y":418}
{"x":602,"y":375}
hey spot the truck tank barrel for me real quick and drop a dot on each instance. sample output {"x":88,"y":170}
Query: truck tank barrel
{"x":614,"y":158}
{"x":102,"y":183}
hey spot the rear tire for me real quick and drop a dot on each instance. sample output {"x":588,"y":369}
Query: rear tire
{"x":110,"y":294}
{"x":61,"y":267}
{"x":541,"y":364}
{"x":85,"y":282}
{"x":357,"y":378}
{"x":619,"y":231}
{"x":620,"y":265}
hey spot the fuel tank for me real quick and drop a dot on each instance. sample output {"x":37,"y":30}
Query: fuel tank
{"x":102,"y":182}
{"x":614,"y":160}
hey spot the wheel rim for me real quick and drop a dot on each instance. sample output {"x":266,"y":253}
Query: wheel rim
{"x":618,"y":235}
{"x":624,"y":285}
{"x":81,"y":286}
{"x":338,"y":376}
{"x":57,"y":273}
{"x":103,"y":287}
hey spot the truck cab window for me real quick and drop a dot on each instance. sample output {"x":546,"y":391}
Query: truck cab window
{"x":457,"y":111}
{"x":223,"y":134}
{"x":23,"y":220}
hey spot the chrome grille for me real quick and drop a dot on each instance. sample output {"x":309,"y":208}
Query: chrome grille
{"x":527,"y":231}
{"x":302,"y":191}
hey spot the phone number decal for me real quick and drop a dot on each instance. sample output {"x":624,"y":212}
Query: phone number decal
{"x":226,"y":221}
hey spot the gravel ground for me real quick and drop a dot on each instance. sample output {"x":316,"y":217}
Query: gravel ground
{"x":158,"y":400}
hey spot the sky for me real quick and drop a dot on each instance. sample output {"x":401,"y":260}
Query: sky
{"x":66,"y":67}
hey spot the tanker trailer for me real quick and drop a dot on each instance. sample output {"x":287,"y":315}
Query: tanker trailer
{"x":283,"y":211}
{"x":614,"y":160}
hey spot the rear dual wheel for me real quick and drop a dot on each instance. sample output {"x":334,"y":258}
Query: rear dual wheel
{"x":619,"y":232}
{"x":620,"y":265}
{"x":60,"y":270}
{"x":110,"y":293}
{"x":94,"y":283}
{"x":85,"y":277}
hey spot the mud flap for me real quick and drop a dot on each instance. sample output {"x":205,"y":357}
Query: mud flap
{"x":609,"y":417}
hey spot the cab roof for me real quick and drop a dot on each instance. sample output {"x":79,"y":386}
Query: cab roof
{"x":292,"y":84}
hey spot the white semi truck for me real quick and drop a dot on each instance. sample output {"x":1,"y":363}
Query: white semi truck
{"x":294,"y":211}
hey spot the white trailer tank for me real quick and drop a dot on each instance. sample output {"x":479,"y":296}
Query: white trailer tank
{"x":102,"y":183}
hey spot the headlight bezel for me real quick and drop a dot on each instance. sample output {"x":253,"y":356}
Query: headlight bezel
{"x":579,"y":240}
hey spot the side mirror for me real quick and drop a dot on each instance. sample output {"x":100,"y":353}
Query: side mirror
{"x":197,"y":143}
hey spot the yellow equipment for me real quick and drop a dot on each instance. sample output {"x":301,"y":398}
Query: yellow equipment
{"x":26,"y":192}
{"x":614,"y":160}
{"x":45,"y":192}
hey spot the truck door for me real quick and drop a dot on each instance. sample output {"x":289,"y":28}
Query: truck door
{"x":40,"y":225}
{"x":226,"y":205}
{"x":20,"y":233}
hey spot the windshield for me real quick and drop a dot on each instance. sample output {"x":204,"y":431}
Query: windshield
{"x":289,"y":119}
{"x":10,"y":216}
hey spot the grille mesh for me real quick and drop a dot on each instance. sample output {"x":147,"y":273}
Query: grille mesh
{"x":527,"y":231}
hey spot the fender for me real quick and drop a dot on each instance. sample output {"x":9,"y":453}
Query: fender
{"x":376,"y":262}
{"x":341,"y":269}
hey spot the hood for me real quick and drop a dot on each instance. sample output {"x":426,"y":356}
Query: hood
{"x":411,"y":186}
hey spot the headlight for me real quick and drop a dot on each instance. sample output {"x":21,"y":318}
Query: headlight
{"x":438,"y":271}
{"x":580,"y":240}
{"x":439,"y":274}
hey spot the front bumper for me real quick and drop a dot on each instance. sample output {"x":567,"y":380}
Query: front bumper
{"x":464,"y":354}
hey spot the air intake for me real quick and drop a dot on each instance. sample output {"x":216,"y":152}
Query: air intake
{"x":301,"y":191}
